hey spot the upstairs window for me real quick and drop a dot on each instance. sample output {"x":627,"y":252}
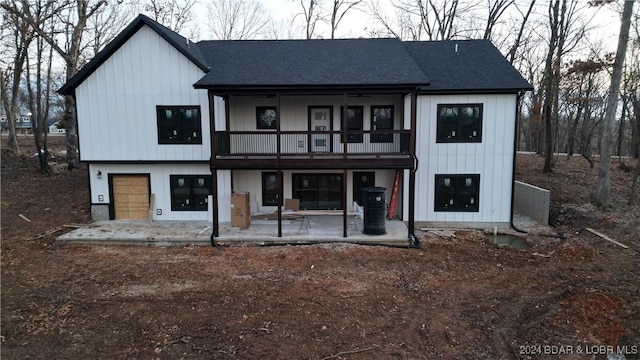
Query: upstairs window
{"x":382,"y":119}
{"x":190,"y":192}
{"x":459,"y":123}
{"x":266,"y":117}
{"x":460,"y":193}
{"x":354,"y":123}
{"x":179,"y":125}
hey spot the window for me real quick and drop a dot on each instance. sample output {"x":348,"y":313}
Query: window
{"x":354,"y":122}
{"x":382,"y":119}
{"x":179,"y":125}
{"x":189,"y":192}
{"x":266,"y":117}
{"x":457,"y":193}
{"x":318,"y":191}
{"x":459,"y":123}
{"x":269,"y":189}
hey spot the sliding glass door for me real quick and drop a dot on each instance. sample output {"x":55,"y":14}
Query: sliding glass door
{"x":318,"y":191}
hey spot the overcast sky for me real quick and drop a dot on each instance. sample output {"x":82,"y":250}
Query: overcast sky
{"x":358,"y":23}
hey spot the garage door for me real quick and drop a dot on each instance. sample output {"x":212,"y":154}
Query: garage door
{"x":131,"y":196}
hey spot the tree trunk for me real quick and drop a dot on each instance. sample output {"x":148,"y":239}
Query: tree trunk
{"x":71,"y":126}
{"x":549,"y":98}
{"x":602,"y":195}
{"x":14,"y":147}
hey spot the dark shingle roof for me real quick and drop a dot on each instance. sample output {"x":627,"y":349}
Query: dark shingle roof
{"x":342,"y":62}
{"x":465,"y":65}
{"x":191,"y":51}
{"x":432,"y":66}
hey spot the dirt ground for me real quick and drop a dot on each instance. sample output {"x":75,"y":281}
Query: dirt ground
{"x":460,"y":298}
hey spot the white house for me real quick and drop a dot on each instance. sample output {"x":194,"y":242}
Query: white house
{"x":315,"y":120}
{"x":54,"y":127}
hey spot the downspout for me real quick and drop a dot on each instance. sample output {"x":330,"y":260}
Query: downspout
{"x":413,"y":241}
{"x":513,"y":167}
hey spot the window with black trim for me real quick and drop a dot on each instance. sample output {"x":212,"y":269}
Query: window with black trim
{"x":179,"y":124}
{"x":190,"y":192}
{"x":354,"y":122}
{"x":269,"y":189}
{"x":266,"y":117}
{"x":382,"y":119}
{"x":459,"y":193}
{"x":459,"y":123}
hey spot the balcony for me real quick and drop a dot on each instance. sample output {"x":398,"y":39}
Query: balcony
{"x":311,"y":150}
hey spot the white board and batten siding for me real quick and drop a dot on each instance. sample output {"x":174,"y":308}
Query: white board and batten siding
{"x":159,"y":183}
{"x":117,"y":103}
{"x":492,"y":159}
{"x":294,"y":116}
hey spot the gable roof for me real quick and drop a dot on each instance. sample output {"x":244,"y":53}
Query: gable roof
{"x":182,"y":44}
{"x":465,"y":65}
{"x":309,"y":63}
{"x":250,"y":65}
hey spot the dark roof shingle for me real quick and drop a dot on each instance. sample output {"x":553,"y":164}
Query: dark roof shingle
{"x":309,"y":62}
{"x":465,"y":65}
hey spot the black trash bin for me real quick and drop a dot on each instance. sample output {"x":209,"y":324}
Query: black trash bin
{"x":374,"y":210}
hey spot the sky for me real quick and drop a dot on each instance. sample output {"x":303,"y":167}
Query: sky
{"x":358,"y":23}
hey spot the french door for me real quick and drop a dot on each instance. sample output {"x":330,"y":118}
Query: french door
{"x":320,"y":118}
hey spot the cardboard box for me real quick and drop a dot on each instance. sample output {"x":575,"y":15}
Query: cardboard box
{"x":292,"y":204}
{"x":240,"y":210}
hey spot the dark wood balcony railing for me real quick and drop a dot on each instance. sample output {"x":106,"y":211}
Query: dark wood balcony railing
{"x":260,"y":143}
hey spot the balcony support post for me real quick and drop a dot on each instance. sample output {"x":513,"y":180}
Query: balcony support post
{"x":279,"y":155}
{"x":345,"y":141}
{"x":214,"y":173}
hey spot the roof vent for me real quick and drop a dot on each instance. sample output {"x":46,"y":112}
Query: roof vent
{"x":190,"y":45}
{"x":456,"y":47}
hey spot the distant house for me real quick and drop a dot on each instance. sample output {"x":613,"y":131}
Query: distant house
{"x":23,"y":124}
{"x":54,"y":127}
{"x":314,"y":120}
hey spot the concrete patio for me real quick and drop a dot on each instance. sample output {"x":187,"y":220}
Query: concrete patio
{"x":260,"y":232}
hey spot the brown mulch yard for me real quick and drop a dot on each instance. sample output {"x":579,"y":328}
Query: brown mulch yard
{"x":460,"y":298}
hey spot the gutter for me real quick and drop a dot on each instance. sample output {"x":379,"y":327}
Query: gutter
{"x":513,"y":167}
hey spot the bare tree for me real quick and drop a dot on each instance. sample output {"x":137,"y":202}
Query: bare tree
{"x":39,"y":98}
{"x":581,"y":92}
{"x":496,"y":10}
{"x":562,"y":39}
{"x":389,"y":23}
{"x":106,"y":24}
{"x":602,"y":195}
{"x":74,"y":16}
{"x":339,"y":9}
{"x":237,"y":19}
{"x":282,"y":29}
{"x":19,"y":38}
{"x":516,"y":43}
{"x":634,"y":107}
{"x":311,"y":13}
{"x":174,"y":14}
{"x":424,"y":19}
